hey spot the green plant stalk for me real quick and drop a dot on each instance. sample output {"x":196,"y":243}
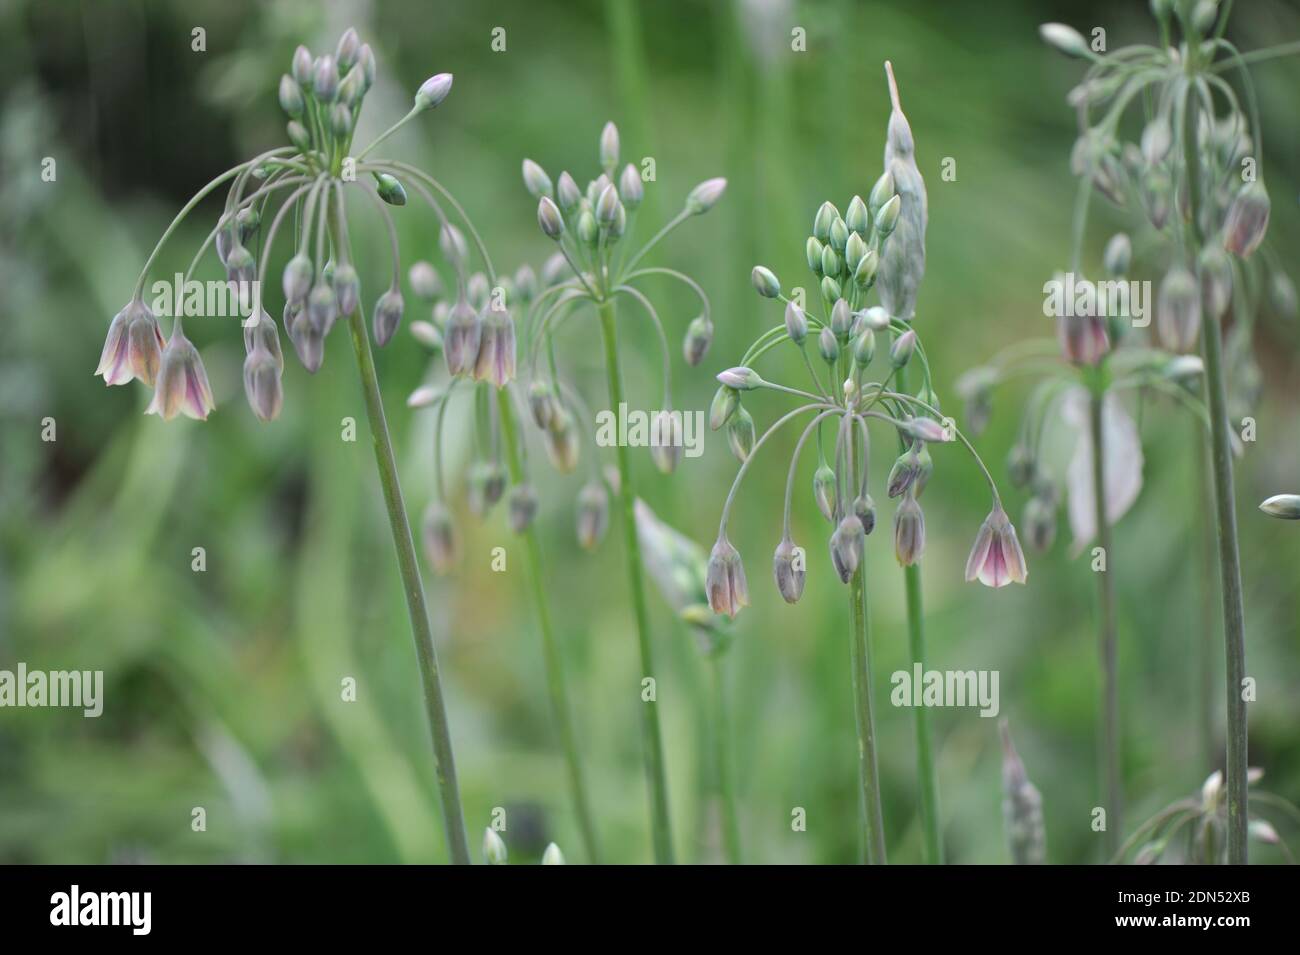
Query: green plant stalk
{"x":1205,"y":645}
{"x":873,"y":825}
{"x":1108,"y":740}
{"x":926,"y":780}
{"x":722,"y":760}
{"x":555,"y":685}
{"x":1234,"y":622}
{"x":453,"y":816}
{"x":651,"y":738}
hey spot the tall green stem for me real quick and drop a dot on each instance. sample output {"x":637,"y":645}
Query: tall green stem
{"x":926,"y":781}
{"x":722,"y":761}
{"x":453,"y":818}
{"x":559,"y":697}
{"x":1108,"y":746}
{"x":873,"y":824}
{"x":1234,"y":614}
{"x":651,"y":738}
{"x":1206,"y":628}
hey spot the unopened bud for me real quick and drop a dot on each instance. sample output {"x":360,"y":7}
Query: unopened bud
{"x":789,"y":570}
{"x":1247,"y":220}
{"x":549,"y":218}
{"x":864,"y":348}
{"x":796,"y":322}
{"x":828,"y":345}
{"x":1178,"y":310}
{"x":824,"y":491}
{"x":1065,"y":38}
{"x":740,"y":434}
{"x":705,"y":196}
{"x":725,"y":402}
{"x":901,"y":350}
{"x":536,"y":181}
{"x":858,"y":217}
{"x":388,"y":315}
{"x":699,"y":335}
{"x":521,"y":507}
{"x":433,"y":91}
{"x":887,"y":217}
{"x":765,"y":282}
{"x":740,"y":378}
{"x":846,"y":544}
{"x":609,"y":148}
{"x":290,"y":96}
{"x":630,"y":187}
{"x":424,"y":280}
{"x":390,"y":189}
{"x":1119,"y":252}
{"x":826,"y":214}
{"x":1285,"y":506}
{"x":813,"y":251}
{"x":593,"y":514}
{"x":494,"y":849}
{"x":1216,"y":281}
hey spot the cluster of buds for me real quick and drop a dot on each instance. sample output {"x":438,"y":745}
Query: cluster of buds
{"x":322,"y":96}
{"x":850,"y":255}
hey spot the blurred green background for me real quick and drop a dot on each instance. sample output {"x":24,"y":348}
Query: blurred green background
{"x":223,"y":688}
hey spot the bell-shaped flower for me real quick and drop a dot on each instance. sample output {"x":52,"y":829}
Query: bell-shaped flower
{"x":495,"y":361}
{"x":909,"y":531}
{"x":789,"y":569}
{"x":182,"y":385}
{"x":847,"y":543}
{"x":463,"y":336}
{"x":133,"y":347}
{"x":725,"y":579}
{"x":996,"y":559}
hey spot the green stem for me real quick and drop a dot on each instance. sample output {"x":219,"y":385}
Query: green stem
{"x":927,"y":783}
{"x":652,"y":742}
{"x":1108,"y":752}
{"x":1205,"y":648}
{"x":1234,"y":622}
{"x":453,"y":818}
{"x":560,"y":709}
{"x":722,"y":759}
{"x":873,"y":825}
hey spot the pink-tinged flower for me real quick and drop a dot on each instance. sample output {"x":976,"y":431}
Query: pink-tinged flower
{"x":262,"y":384}
{"x":909,"y":531}
{"x":462,"y":338}
{"x":133,"y":347}
{"x":725,"y":579}
{"x":1247,"y":220}
{"x":847,"y":544}
{"x":1084,"y":339}
{"x":996,"y":559}
{"x":495,"y":361}
{"x":182,"y":386}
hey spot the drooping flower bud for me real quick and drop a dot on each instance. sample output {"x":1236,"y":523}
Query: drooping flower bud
{"x":1040,"y":522}
{"x":388,"y":315}
{"x":322,"y":307}
{"x":495,"y":361}
{"x":765,"y":282}
{"x":725,"y":402}
{"x":1022,"y":808}
{"x":789,"y":570}
{"x":1178,"y":310}
{"x":927,"y":429}
{"x":561,"y":441}
{"x":433,"y":91}
{"x":308,"y":342}
{"x":182,"y":383}
{"x":263,"y":331}
{"x":1247,"y":220}
{"x":824,"y":491}
{"x":740,"y":434}
{"x":909,"y":531}
{"x":536,"y":181}
{"x":424,"y":280}
{"x":262,"y":384}
{"x":592,"y":514}
{"x":541,"y":403}
{"x":462,"y":338}
{"x":522,"y":507}
{"x":699,"y":335}
{"x":1216,"y":281}
{"x":864,"y":509}
{"x":996,"y":558}
{"x":347,"y":286}
{"x":904,"y":472}
{"x":297,"y":278}
{"x":705,"y":196}
{"x":667,"y":441}
{"x":725,"y":579}
{"x":390,"y":189}
{"x":796,"y":323}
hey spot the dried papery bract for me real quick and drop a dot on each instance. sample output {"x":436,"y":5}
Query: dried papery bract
{"x":851,"y":382}
{"x":305,"y":184}
{"x":593,"y":271}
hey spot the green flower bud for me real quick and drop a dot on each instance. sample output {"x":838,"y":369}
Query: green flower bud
{"x":839,"y":236}
{"x":607,"y":206}
{"x":302,"y":66}
{"x":699,"y":335}
{"x":366,"y":60}
{"x":854,"y":250}
{"x":887,"y":217}
{"x":740,"y":434}
{"x":841,"y":319}
{"x":494,"y":850}
{"x":830,"y":288}
{"x":390,"y":189}
{"x":858,"y":217}
{"x":902,"y":349}
{"x":549,"y":218}
{"x":828,"y":345}
{"x":353,"y":87}
{"x":813,"y":251}
{"x":725,"y":402}
{"x":290,"y":96}
{"x":705,"y":196}
{"x":609,"y":148}
{"x":299,"y":136}
{"x":567,"y":193}
{"x":630,"y":187}
{"x":881,"y":193}
{"x":826,"y":214}
{"x":552,"y":855}
{"x":536,"y":181}
{"x":831,"y":263}
{"x":1284,"y":506}
{"x":1065,"y":38}
{"x":796,"y":323}
{"x":864,"y":348}
{"x":824,"y":491}
{"x":865,"y":273}
{"x":765,"y":282}
{"x":588,"y":230}
{"x":340,"y":120}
